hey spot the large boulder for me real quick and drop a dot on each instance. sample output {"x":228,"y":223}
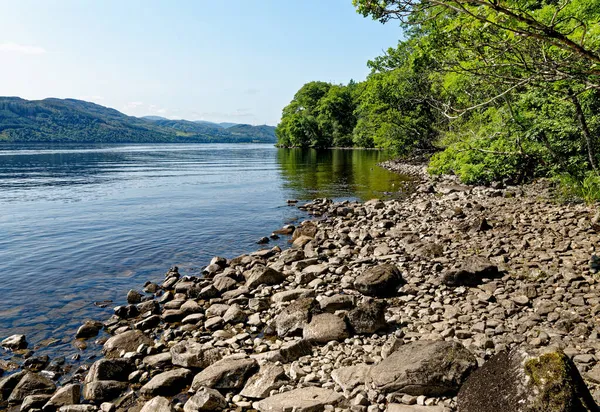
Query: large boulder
{"x":324,"y":328}
{"x":228,"y":373}
{"x":368,"y":317}
{"x":520,"y":381}
{"x":430,"y":368}
{"x":471,"y":272}
{"x":269,"y":377}
{"x":127,"y":341}
{"x":157,"y":404}
{"x":381,"y":281}
{"x":14,"y":342}
{"x":8,"y":383}
{"x":110,"y":370}
{"x":292,"y":319}
{"x":67,"y":395}
{"x":309,"y":399}
{"x":168,"y":383}
{"x":205,"y":399}
{"x":101,"y":391}
{"x":263,"y":275}
{"x":31,"y":384}
{"x":190,"y":354}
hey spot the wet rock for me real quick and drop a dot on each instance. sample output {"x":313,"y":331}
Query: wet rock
{"x":522,"y":382}
{"x":133,"y":297}
{"x":294,"y":317}
{"x":89,"y":329}
{"x":263,"y":275}
{"x":471,"y":273}
{"x":31,"y":384}
{"x":205,"y":399}
{"x":309,"y":399}
{"x":381,"y":281}
{"x":368,"y":317}
{"x":431,"y":368}
{"x":157,"y":404}
{"x":190,"y":354}
{"x":8,"y":383}
{"x":34,"y":402}
{"x":110,"y":370}
{"x":324,"y":328}
{"x":67,"y":395}
{"x":36,"y":363}
{"x":225,"y":374}
{"x":14,"y":342}
{"x":263,"y":240}
{"x":167,"y":383}
{"x":100,"y":391}
{"x":269,"y":377}
{"x":127,"y":341}
{"x":127,"y":311}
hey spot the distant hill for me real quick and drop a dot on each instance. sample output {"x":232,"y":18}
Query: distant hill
{"x":77,"y":121}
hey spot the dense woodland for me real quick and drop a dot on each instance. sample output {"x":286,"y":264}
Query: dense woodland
{"x":495,"y":89}
{"x":76,"y":121}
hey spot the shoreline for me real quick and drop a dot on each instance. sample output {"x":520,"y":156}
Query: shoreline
{"x":362,"y":289}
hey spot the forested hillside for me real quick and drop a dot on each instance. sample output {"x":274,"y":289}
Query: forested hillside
{"x":69,"y":120}
{"x":496,"y":89}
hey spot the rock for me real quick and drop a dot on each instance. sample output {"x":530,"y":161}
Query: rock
{"x":224,"y":283}
{"x":324,"y":328}
{"x":263,"y":240}
{"x":78,"y":408}
{"x":263,"y":275}
{"x":110,"y":370}
{"x":269,"y":377}
{"x":290,"y":295}
{"x":127,"y":341}
{"x":225,"y":374}
{"x":294,"y":317}
{"x":300,"y":242}
{"x":167,"y":383}
{"x":157,"y":404}
{"x":398,"y":407}
{"x":234,"y":314}
{"x":159,"y":361}
{"x":337,"y":302}
{"x":100,"y":391}
{"x":89,"y":329}
{"x":15,"y":342}
{"x":368,"y":317}
{"x":293,"y":350}
{"x":127,"y":311}
{"x":148,"y":323}
{"x":471,"y":273}
{"x":309,"y":399}
{"x":34,"y":402}
{"x":431,"y":368}
{"x":133,"y":297}
{"x":307,"y":229}
{"x":349,"y":377}
{"x":205,"y":399}
{"x":31,"y":384}
{"x":8,"y":383}
{"x":526,"y":382}
{"x":190,"y":354}
{"x":381,"y":281}
{"x":67,"y":395}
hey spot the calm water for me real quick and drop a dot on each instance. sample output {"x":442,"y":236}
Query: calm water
{"x":87,"y":223}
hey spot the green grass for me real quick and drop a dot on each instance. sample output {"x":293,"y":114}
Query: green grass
{"x":586,"y":188}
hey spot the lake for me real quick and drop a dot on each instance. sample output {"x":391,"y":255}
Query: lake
{"x":81,"y":224}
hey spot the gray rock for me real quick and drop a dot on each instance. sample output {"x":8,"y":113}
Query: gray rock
{"x":431,"y":368}
{"x":290,"y":295}
{"x":89,"y":329}
{"x":269,"y":377}
{"x":15,"y":342}
{"x":100,"y":391}
{"x":157,"y":404}
{"x":133,"y":297}
{"x":167,"y":383}
{"x":205,"y":399}
{"x":337,"y":302}
{"x":471,"y":273}
{"x":349,"y":377}
{"x":190,"y":354}
{"x":398,"y":407}
{"x":224,"y":283}
{"x":293,"y":350}
{"x":324,"y":328}
{"x":263,"y":275}
{"x":368,"y":317}
{"x":294,"y":317}
{"x":110,"y":370}
{"x":128,"y":341}
{"x":31,"y":384}
{"x":67,"y":395}
{"x":148,"y":323}
{"x":309,"y":399}
{"x":225,"y":374}
{"x":526,"y":382}
{"x":381,"y":281}
{"x":158,"y":361}
{"x":34,"y":402}
{"x":234,"y":314}
{"x":77,"y":408}
{"x":8,"y":383}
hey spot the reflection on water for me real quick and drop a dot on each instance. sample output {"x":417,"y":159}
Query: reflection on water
{"x":86,"y":223}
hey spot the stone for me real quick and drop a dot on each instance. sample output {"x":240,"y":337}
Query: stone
{"x":431,"y":368}
{"x":148,"y":323}
{"x":34,"y":402}
{"x":67,"y":395}
{"x":101,"y":391}
{"x":269,"y":377}
{"x":157,"y":404}
{"x":290,"y":295}
{"x":89,"y":329}
{"x":15,"y":342}
{"x":263,"y":275}
{"x":471,"y":272}
{"x":234,"y":314}
{"x":293,"y":350}
{"x":78,"y":408}
{"x":292,"y":319}
{"x":523,"y":381}
{"x":337,"y":302}
{"x":349,"y":377}
{"x":324,"y":328}
{"x":31,"y":384}
{"x":133,"y":297}
{"x":8,"y":383}
{"x":225,"y":374}
{"x":158,"y":361}
{"x":224,"y":283}
{"x":190,"y":354}
{"x":398,"y":407}
{"x":168,"y":383}
{"x":205,"y":399}
{"x":309,"y":399}
{"x":110,"y":370}
{"x":368,"y":317}
{"x":308,"y":229}
{"x":127,"y":341}
{"x":380,"y":281}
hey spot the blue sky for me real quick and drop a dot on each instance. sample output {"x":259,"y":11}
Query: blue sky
{"x":238,"y":61}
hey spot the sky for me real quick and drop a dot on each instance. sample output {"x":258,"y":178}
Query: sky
{"x":225,"y":61}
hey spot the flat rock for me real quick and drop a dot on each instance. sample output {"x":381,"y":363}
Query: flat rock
{"x":431,"y":368}
{"x":381,"y":281}
{"x":263,"y":275}
{"x":157,"y":404}
{"x":293,"y":318}
{"x":110,"y":370}
{"x":205,"y":399}
{"x":368,"y":317}
{"x":337,"y":302}
{"x":293,"y":294}
{"x":100,"y":391}
{"x":471,"y":272}
{"x":190,"y":354}
{"x":128,"y":341}
{"x":324,"y":328}
{"x":269,"y":377}
{"x":31,"y":384}
{"x":309,"y":399}
{"x":225,"y":374}
{"x":349,"y":377}
{"x":168,"y":383}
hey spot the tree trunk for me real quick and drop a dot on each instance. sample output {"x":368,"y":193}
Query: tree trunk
{"x":585,"y":130}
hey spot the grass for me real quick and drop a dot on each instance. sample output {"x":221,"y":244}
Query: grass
{"x":586,"y":188}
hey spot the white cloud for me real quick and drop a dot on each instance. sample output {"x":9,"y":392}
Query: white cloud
{"x":133,"y":105}
{"x":21,"y":48}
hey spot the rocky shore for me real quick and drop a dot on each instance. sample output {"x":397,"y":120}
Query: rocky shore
{"x":456,"y":298}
